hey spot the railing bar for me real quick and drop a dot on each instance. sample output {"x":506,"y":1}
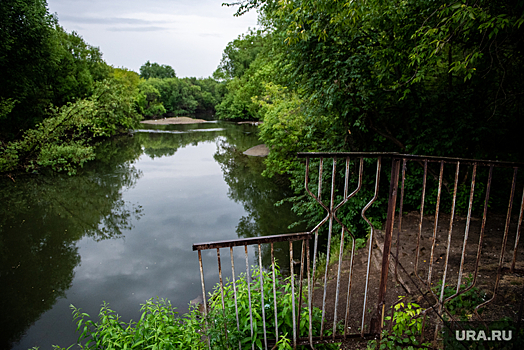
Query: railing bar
{"x":517,"y":237}
{"x":408,"y":156}
{"x":468,"y":222}
{"x":430,"y":270}
{"x":348,"y":298}
{"x":293,"y":294}
{"x":482,"y":228}
{"x":506,"y":229}
{"x":400,"y":208}
{"x":274,"y":290}
{"x":370,"y":242}
{"x":450,"y":231}
{"x":251,"y":241}
{"x":220,"y":277}
{"x":248,"y":280}
{"x":421,"y":220}
{"x":262,"y":303}
{"x":328,"y":251}
{"x":312,"y":290}
{"x":341,"y":250}
{"x":504,"y":241}
{"x":386,"y":252}
{"x":300,"y":283}
{"x":320,"y":170}
{"x":203,"y":294}
{"x":309,"y":293}
{"x":235,"y":292}
{"x":221,"y":290}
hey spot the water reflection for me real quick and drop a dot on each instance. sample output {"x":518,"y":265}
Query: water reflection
{"x":258,"y":195}
{"x":51,"y":224}
{"x":42,"y":219}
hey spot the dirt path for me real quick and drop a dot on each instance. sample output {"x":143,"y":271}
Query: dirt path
{"x":414,"y":283}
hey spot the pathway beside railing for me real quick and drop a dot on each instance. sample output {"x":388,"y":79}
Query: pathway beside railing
{"x":437,"y":263}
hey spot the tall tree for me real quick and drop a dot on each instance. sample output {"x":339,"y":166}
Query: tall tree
{"x":154,"y":70}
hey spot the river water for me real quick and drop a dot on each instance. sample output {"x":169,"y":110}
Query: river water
{"x":121,"y":231}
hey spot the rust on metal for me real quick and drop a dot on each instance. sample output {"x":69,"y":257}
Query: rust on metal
{"x":248,"y":280}
{"x":435,"y":225}
{"x":370,"y":243}
{"x":466,"y":233}
{"x":386,"y":256}
{"x":251,"y":241}
{"x":235,"y":291}
{"x":274,"y":290}
{"x":262,"y":303}
{"x":400,"y":209}
{"x":293,"y":294}
{"x":417,"y":255}
{"x":517,"y":236}
{"x":393,"y":188}
{"x":450,"y":231}
{"x":504,"y":241}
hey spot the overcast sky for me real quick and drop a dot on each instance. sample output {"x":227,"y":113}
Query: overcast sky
{"x":189,"y":35}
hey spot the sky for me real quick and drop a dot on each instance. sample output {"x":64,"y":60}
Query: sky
{"x":188,"y":35}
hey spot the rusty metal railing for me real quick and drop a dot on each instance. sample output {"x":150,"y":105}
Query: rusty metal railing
{"x":357,"y":292}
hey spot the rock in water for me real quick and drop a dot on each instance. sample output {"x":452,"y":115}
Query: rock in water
{"x":257,"y":151}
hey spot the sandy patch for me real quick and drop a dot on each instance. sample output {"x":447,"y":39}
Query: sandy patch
{"x":174,"y":120}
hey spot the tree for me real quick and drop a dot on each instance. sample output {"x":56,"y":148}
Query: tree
{"x":26,"y":41}
{"x":239,"y":54}
{"x":154,"y":70}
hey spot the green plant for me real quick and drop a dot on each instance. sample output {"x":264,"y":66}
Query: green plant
{"x":463,"y":304}
{"x":406,"y":327}
{"x":158,"y":328}
{"x":224,"y":322}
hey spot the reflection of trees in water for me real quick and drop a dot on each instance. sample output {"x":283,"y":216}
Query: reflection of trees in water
{"x":43,"y":217}
{"x":158,"y":145}
{"x":258,"y":194}
{"x":165,"y":144}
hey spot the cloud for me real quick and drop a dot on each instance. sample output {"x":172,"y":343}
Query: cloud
{"x":216,"y":35}
{"x":110,"y":21}
{"x":136,"y":29}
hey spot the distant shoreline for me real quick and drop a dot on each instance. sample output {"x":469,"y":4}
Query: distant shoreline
{"x":174,"y":120}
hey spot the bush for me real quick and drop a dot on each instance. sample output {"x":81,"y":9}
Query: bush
{"x":160,"y":327}
{"x":64,"y":140}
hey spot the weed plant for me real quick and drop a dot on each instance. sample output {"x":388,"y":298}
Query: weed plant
{"x":161,"y":328}
{"x":407,"y":326}
{"x":223,"y":321}
{"x":463,"y":305}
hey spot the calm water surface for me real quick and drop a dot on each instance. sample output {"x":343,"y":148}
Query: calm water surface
{"x":121,"y":231}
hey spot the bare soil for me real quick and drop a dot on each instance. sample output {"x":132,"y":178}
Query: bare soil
{"x":413,"y":284}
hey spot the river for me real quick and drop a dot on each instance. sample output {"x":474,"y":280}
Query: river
{"x":121,"y":230}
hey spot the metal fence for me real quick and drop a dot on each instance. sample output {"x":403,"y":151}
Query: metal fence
{"x":434,"y":259}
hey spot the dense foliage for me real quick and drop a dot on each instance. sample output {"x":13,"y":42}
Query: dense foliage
{"x":177,"y":96}
{"x":58,"y":97}
{"x":412,"y":76}
{"x":160,"y":327}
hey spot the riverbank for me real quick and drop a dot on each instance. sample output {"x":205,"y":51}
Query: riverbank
{"x":173,"y":120}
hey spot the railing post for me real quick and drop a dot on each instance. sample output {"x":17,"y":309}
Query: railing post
{"x":378,"y":320}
